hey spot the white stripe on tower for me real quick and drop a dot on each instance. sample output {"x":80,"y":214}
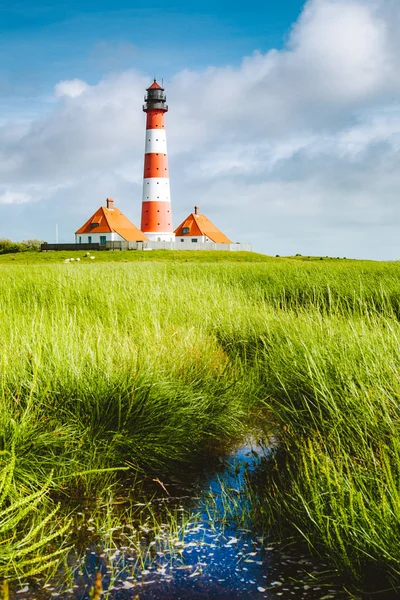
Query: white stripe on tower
{"x":156,"y":200}
{"x":156,"y":189}
{"x":156,"y":141}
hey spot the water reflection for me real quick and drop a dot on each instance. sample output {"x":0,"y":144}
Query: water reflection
{"x":212,"y":555}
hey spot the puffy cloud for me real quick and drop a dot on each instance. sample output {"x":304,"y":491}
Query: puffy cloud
{"x":71,"y":88}
{"x":343,"y":49}
{"x":296,"y":150}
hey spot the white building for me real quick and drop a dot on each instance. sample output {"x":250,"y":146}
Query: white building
{"x":196,"y":228}
{"x":108,"y":224}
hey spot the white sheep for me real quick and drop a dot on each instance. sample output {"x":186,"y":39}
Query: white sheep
{"x":87,"y":254}
{"x":66,"y":260}
{"x":71,"y":260}
{"x":78,"y":259}
{"x":92,"y":258}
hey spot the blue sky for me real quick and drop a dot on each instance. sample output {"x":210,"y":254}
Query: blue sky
{"x":85,"y":39}
{"x":284,"y":122}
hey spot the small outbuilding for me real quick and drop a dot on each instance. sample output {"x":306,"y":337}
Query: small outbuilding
{"x":108,"y":224}
{"x":197,"y":228}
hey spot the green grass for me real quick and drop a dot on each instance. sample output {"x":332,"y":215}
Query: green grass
{"x":135,"y":256}
{"x":332,"y":386}
{"x":26,"y":532}
{"x":150,"y":365}
{"x":96,"y":377}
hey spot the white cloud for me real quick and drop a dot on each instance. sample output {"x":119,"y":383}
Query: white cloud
{"x":10,"y":197}
{"x":296,"y":149}
{"x":342,"y":46}
{"x":72,"y":88}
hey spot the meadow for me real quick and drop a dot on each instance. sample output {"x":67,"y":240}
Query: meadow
{"x":137,"y":369}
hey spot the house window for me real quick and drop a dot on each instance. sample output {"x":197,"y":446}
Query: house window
{"x":103,"y":239}
{"x":182,"y":240}
{"x":95,"y":224}
{"x":89,"y":239}
{"x":194,"y":240}
{"x":185,"y":230}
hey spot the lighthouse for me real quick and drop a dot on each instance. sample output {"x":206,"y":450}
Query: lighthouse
{"x":156,"y":201}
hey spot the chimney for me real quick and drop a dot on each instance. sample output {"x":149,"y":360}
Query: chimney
{"x":110,"y":204}
{"x":196,"y":210}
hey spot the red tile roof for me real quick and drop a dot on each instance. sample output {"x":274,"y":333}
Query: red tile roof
{"x":200,"y":225}
{"x":112,"y":221}
{"x":155,"y":86}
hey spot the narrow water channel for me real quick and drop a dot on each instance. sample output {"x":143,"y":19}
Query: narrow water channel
{"x":212,"y":555}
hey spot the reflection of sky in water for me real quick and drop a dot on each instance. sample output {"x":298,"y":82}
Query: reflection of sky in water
{"x":215,"y":558}
{"x":219,"y":560}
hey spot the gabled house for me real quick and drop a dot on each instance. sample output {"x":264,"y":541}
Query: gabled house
{"x":197,"y":228}
{"x":108,"y":224}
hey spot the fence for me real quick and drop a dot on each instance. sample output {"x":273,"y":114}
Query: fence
{"x":71,"y":247}
{"x":178,"y":246}
{"x":149,"y":246}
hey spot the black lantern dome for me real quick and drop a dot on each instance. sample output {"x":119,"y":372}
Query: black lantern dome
{"x":155,"y":98}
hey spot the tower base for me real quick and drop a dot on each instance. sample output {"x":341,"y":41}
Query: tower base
{"x":160,"y":237}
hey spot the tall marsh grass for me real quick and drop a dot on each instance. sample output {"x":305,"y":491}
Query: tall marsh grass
{"x":148,"y":365}
{"x":329,"y":373}
{"x":25,"y":533}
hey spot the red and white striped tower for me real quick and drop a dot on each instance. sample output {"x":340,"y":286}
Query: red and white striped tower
{"x":156,"y":201}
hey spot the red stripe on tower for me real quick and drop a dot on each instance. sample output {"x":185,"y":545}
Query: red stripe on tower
{"x":156,"y":201}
